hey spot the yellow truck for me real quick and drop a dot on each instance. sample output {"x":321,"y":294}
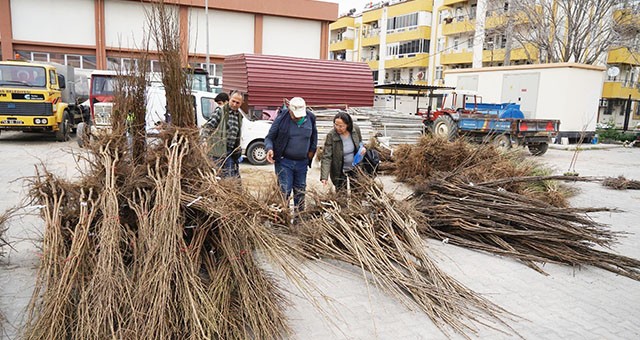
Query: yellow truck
{"x":39,"y":97}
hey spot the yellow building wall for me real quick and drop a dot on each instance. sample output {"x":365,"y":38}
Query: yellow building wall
{"x":371,"y":41}
{"x":623,"y":56}
{"x":370,"y":16}
{"x":410,"y":7}
{"x":457,"y":27}
{"x":612,"y":89}
{"x":422,"y":32}
{"x":342,"y":23}
{"x":420,"y":60}
{"x":346,"y":44}
{"x":451,"y":2}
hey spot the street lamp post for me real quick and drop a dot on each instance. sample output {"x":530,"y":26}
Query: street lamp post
{"x":206,"y":14}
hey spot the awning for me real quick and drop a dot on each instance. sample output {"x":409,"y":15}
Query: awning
{"x":414,"y":89}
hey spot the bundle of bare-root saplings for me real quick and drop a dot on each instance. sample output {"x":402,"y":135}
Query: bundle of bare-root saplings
{"x":455,"y":188}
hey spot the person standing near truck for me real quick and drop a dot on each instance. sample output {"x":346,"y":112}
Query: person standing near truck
{"x":291,"y":144}
{"x":222,"y":133}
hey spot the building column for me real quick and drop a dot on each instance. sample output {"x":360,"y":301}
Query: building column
{"x":6,"y":32}
{"x":324,"y":40}
{"x":382,"y":48}
{"x":101,"y":49}
{"x":478,"y":40}
{"x":183,"y":29}
{"x":258,"y":27}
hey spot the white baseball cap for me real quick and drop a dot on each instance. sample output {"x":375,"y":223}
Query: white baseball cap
{"x":298,"y":107}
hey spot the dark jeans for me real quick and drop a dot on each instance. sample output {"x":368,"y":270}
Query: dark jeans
{"x":292,"y":176}
{"x":228,"y":165}
{"x":341,"y":182}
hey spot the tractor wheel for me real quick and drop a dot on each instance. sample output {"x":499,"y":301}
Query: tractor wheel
{"x":502,"y":142}
{"x":538,"y":149}
{"x":445,"y":127}
{"x":64,"y":128}
{"x":257,"y":153}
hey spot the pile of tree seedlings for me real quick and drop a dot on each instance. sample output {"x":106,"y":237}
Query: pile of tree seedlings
{"x":434,"y":157}
{"x":621,"y":183}
{"x":377,"y":234}
{"x":149,"y":243}
{"x":481,"y":198}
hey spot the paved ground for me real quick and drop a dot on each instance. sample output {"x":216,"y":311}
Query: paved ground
{"x":570,"y":303}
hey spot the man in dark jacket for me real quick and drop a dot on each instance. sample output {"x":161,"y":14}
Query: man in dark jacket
{"x":291,"y":144}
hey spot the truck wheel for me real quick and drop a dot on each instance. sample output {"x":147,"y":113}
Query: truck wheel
{"x":64,"y":128}
{"x":257,"y":154}
{"x":445,"y":127}
{"x":538,"y":149}
{"x":502,"y":142}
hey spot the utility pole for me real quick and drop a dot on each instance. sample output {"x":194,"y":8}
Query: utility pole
{"x":206,"y":14}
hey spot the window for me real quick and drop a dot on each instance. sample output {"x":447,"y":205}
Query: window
{"x":396,"y":75}
{"x":408,"y":47}
{"x":53,"y":80}
{"x":503,"y":41}
{"x":470,"y":42}
{"x":39,"y":56}
{"x":402,"y":21}
{"x":438,"y":72}
{"x":440,"y":45}
{"x":456,"y":42}
{"x":73,"y":60}
{"x":489,"y":44}
{"x":472,"y":11}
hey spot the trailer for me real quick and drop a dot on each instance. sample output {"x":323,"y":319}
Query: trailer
{"x":463,"y":114}
{"x":567,"y":92}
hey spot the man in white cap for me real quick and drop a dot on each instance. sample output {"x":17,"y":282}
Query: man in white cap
{"x":291,"y":144}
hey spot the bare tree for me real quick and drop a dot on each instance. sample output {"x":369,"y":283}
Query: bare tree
{"x":570,"y":30}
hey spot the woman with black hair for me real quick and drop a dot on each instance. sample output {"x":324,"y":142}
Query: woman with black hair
{"x":340,"y":147}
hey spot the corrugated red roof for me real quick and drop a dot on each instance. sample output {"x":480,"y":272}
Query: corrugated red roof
{"x":269,"y":79}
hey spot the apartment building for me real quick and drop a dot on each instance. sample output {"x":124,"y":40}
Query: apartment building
{"x":453,"y":34}
{"x":105,"y":34}
{"x":393,"y":37}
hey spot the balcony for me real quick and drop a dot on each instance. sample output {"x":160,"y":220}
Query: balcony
{"x":339,"y":45}
{"x":465,"y":57}
{"x":488,"y":56}
{"x":343,"y":22}
{"x":453,"y":2}
{"x":623,"y":56}
{"x":410,"y":7}
{"x":372,"y":15}
{"x":373,"y":63}
{"x":411,"y":60}
{"x":410,"y":33}
{"x":371,"y":38}
{"x":458,"y":25}
{"x":617,"y":89}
